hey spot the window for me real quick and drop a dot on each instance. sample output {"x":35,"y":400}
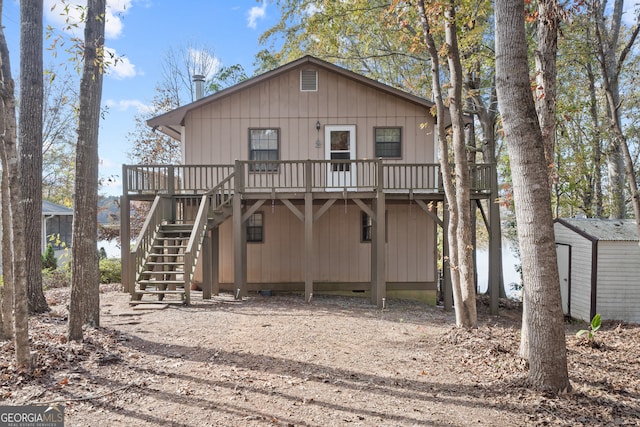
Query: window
{"x":388,"y":142}
{"x":264,"y":145}
{"x":308,"y":80}
{"x":59,"y":231}
{"x":255,"y":228}
{"x":366,"y":227}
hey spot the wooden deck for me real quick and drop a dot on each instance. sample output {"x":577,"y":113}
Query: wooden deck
{"x":295,"y":177}
{"x":195,"y":193}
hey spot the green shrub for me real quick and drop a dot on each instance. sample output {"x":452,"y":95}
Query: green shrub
{"x":49,"y":260}
{"x":110,"y":270}
{"x":60,"y":278}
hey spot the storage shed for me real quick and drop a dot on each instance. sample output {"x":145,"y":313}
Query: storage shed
{"x":599,"y":267}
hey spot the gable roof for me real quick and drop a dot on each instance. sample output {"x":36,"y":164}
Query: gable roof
{"x":50,"y":208}
{"x":602,"y":229}
{"x":171,"y":121}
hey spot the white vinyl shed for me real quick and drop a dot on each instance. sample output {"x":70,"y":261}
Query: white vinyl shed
{"x":599,"y":267}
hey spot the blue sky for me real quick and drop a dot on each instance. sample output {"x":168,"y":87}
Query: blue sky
{"x":141,"y":31}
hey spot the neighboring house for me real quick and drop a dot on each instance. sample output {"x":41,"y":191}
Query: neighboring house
{"x":599,"y":267}
{"x":307,"y":178}
{"x":57,"y":228}
{"x":57,"y":222}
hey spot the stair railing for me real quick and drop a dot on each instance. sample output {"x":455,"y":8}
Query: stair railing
{"x":216,"y":198}
{"x":160,"y":211}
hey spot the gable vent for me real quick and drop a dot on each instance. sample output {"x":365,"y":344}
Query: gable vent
{"x":308,"y":80}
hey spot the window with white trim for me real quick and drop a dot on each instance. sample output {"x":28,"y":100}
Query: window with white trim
{"x":264,"y":145}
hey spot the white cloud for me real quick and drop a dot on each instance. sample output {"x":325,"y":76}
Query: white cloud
{"x":202,"y":60}
{"x":255,"y":13}
{"x":120,"y":67}
{"x":126,"y":104}
{"x":68,"y":16}
{"x":631,"y":13}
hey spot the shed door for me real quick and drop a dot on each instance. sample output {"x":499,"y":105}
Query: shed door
{"x":340,"y":147}
{"x":564,"y":272}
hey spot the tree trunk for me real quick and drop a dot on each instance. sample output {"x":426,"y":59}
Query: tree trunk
{"x":487,"y":116}
{"x":545,"y":60}
{"x":620,"y":161}
{"x":30,"y":131}
{"x":10,"y":164}
{"x":547,"y":348}
{"x":84,"y":307}
{"x":463,"y":180}
{"x":607,"y":44}
{"x":545,"y":103}
{"x":457,"y":195}
{"x":597,"y":208}
{"x":7,"y":288}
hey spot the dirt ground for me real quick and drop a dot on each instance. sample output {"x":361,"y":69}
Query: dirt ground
{"x":336,"y":362}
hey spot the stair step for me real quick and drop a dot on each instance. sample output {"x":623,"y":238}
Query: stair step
{"x":145,"y":292}
{"x":155,"y":301}
{"x":158,"y":255}
{"x":155,"y":283}
{"x":168,"y":263}
{"x":164,"y":273}
{"x":176,"y":227}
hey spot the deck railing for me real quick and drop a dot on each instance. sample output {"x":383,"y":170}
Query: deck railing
{"x":212,"y":200}
{"x":297,"y":176}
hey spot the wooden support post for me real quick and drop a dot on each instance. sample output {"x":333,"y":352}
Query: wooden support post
{"x":496,"y":278}
{"x":206,"y":266}
{"x":239,"y":237}
{"x":447,"y":290}
{"x":378,"y":253}
{"x":308,"y":247}
{"x":379,"y":292}
{"x":215,"y":260}
{"x":171,"y":190}
{"x":127,"y":273}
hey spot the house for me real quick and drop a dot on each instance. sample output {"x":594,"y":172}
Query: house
{"x":57,"y":228}
{"x":599,"y":267}
{"x":307,"y":178}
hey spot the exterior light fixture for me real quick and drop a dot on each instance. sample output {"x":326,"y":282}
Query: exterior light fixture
{"x":318,"y":125}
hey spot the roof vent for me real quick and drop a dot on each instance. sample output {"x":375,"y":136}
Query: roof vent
{"x":308,"y":80}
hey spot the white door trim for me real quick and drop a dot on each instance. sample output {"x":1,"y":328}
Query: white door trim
{"x":342,"y":175}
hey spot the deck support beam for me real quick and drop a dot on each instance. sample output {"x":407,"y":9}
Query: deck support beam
{"x":496,"y":278}
{"x":125,"y":236}
{"x":447,"y":290}
{"x":215,"y":260}
{"x":206,"y":266}
{"x":239,"y":237}
{"x":378,"y":252}
{"x":308,"y":247}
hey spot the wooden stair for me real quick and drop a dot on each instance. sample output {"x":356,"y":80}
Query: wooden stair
{"x":161,"y":278}
{"x":162,"y":275}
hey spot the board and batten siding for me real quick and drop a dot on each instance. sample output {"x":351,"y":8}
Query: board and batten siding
{"x":218,"y":132}
{"x":619,"y":280}
{"x":580,"y":270}
{"x":339,"y":253}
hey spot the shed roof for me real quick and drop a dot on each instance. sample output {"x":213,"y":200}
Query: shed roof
{"x":49,"y":208}
{"x":170,"y":122}
{"x":603,"y":229}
